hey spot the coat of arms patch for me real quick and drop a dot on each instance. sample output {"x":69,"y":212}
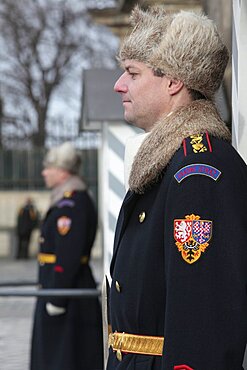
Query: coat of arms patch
{"x":192,"y":236}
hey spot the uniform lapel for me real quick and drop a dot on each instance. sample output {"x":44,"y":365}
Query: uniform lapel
{"x":126,"y":209}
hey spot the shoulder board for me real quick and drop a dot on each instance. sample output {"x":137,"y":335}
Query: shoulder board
{"x":198,"y":143}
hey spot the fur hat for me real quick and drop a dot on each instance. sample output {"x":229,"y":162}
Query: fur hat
{"x":63,"y":156}
{"x":183,"y":45}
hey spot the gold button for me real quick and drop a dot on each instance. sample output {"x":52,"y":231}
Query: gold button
{"x":142,"y":216}
{"x":41,"y":239}
{"x":118,"y":287}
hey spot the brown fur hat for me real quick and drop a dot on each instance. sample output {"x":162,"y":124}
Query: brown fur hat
{"x":183,"y":45}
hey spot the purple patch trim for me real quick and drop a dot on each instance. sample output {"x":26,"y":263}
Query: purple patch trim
{"x":65,"y":202}
{"x":197,"y":169}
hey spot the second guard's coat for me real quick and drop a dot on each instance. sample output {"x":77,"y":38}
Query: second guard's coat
{"x":73,"y":340}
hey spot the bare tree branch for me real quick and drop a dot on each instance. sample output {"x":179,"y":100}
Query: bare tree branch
{"x":41,"y":42}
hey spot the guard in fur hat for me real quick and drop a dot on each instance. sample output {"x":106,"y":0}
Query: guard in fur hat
{"x":67,"y":332}
{"x":179,"y":267}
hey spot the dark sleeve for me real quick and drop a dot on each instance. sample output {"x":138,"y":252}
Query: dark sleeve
{"x":206,"y":266}
{"x":74,"y":236}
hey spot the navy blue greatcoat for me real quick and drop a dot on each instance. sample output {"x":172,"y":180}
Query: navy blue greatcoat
{"x":73,"y":340}
{"x":179,"y":266}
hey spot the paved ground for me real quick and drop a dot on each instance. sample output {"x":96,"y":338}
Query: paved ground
{"x":16,"y":313}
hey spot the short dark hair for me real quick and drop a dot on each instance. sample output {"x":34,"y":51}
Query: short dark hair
{"x":157,"y":72}
{"x":196,"y":95}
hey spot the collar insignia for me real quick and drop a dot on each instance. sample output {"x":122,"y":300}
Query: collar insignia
{"x":197,"y":143}
{"x":197,"y":169}
{"x":192,"y":236}
{"x":68,"y":194}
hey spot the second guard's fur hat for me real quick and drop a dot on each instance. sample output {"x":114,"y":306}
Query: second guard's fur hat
{"x":183,"y":45}
{"x":64,"y":156}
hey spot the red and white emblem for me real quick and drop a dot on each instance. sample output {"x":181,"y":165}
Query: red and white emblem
{"x":192,"y":236}
{"x":182,"y":230}
{"x":63,"y":225}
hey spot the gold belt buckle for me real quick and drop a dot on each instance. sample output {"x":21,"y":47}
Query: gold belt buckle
{"x":111,"y":343}
{"x":111,"y":340}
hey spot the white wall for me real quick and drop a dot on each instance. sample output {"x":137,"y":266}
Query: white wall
{"x":111,"y":180}
{"x":239,"y":77}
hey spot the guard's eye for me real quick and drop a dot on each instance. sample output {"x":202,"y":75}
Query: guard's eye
{"x":133,"y":75}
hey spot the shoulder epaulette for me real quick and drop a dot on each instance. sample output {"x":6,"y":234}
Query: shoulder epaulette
{"x":198,"y":143}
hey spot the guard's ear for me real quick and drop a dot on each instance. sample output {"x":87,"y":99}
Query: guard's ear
{"x":174,"y":86}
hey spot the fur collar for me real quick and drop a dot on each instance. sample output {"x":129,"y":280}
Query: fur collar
{"x":73,"y":183}
{"x":166,"y":138}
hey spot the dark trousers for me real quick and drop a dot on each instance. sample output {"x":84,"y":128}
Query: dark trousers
{"x":23,"y":247}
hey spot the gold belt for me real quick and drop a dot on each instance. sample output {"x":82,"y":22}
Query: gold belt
{"x":139,"y":344}
{"x":52,"y":258}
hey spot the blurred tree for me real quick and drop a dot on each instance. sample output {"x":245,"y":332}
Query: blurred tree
{"x":40,"y":43}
